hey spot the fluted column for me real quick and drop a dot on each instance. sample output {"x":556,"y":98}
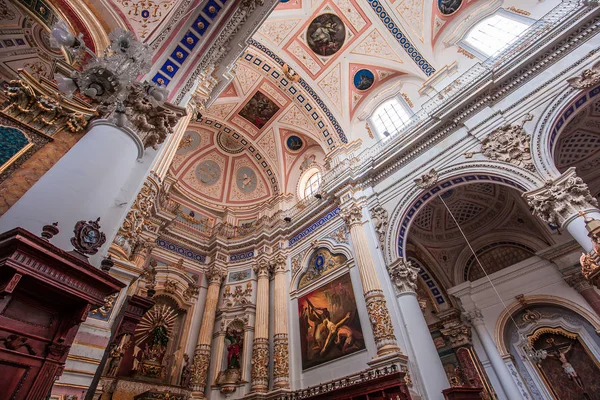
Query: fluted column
{"x":585,"y":289}
{"x":165,"y":158}
{"x":281,"y":367}
{"x":201,"y":361}
{"x":404,"y":276}
{"x":506,"y":381}
{"x":141,"y":251}
{"x":260,"y":346}
{"x":379,"y":315}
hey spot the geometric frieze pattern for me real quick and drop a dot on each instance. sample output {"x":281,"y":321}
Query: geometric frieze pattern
{"x":576,"y":147}
{"x":175,"y":248}
{"x":424,"y":198}
{"x":401,"y":38}
{"x":314,"y":226}
{"x":569,"y":112}
{"x":241,"y":256}
{"x":304,"y":102}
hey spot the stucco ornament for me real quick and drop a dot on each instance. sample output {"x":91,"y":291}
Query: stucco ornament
{"x":561,"y":198}
{"x":509,"y":144}
{"x":588,"y":78}
{"x":404,"y":275}
{"x":352,"y":214}
{"x":260,"y":365}
{"x":381,"y":323}
{"x":428,"y":180}
{"x":281,"y":367}
{"x":380,"y":221}
{"x":457,"y":334}
{"x":200,"y":367}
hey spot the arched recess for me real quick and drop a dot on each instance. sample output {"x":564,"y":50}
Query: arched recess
{"x":505,"y":317}
{"x":554,"y":119}
{"x":452,"y":176}
{"x":332,"y":248}
{"x":529,"y":324}
{"x":482,"y":244}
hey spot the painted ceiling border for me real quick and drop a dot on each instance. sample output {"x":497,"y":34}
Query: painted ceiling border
{"x":402,"y":39}
{"x":305,"y":86}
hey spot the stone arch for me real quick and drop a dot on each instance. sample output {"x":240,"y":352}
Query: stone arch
{"x":325,"y":244}
{"x":530,"y":242}
{"x":550,"y":125}
{"x":454,"y":175}
{"x":505,"y":317}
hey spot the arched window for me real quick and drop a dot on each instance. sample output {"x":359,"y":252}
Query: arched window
{"x":495,"y":33}
{"x":312,"y":184}
{"x":390,"y":117}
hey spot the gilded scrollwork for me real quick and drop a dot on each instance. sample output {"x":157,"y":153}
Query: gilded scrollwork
{"x":106,"y":309}
{"x":281,"y":368}
{"x":199,"y":369}
{"x":260,"y":365}
{"x":381,"y":323}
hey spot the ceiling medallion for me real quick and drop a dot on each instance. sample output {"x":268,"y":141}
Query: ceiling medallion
{"x":326,"y":34}
{"x":449,"y":7}
{"x":294,"y":143}
{"x":228,"y":144}
{"x":88,"y":237}
{"x":363,"y":79}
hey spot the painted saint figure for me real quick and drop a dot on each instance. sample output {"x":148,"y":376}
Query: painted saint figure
{"x":234,"y":349}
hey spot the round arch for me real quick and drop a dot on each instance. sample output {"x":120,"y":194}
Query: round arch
{"x":515,"y":307}
{"x":554,"y":119}
{"x":451,"y":176}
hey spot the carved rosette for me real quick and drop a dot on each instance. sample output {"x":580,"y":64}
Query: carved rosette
{"x":404,"y":275}
{"x":260,"y":365}
{"x":383,"y":330}
{"x":509,"y":144}
{"x":352,"y":215}
{"x":561,"y":199}
{"x":380,"y":221}
{"x":200,"y":367}
{"x":281,"y":366}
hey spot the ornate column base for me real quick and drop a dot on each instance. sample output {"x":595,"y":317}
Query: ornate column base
{"x":590,"y":267}
{"x":381,"y":323}
{"x":281,"y":366}
{"x":260,"y":365}
{"x":200,"y":370}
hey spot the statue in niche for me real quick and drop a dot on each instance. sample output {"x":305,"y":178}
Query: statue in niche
{"x":186,"y":372}
{"x":231,"y":376}
{"x":234,"y":349}
{"x":152,"y":336}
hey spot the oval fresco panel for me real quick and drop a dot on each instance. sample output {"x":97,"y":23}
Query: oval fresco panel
{"x":449,"y":7}
{"x":208,"y":172}
{"x":294,"y":143}
{"x":189,"y":142}
{"x":326,"y":34}
{"x":228,"y":144}
{"x":363,"y":79}
{"x":246,"y":180}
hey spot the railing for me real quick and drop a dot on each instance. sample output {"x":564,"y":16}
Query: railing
{"x":466,"y":83}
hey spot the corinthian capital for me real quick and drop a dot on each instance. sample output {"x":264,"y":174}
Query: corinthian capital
{"x":215,"y":274}
{"x":352,"y":214}
{"x":279,"y":263}
{"x":404,"y":275}
{"x":261,"y":268}
{"x":561,"y":198}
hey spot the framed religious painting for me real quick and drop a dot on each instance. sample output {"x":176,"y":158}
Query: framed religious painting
{"x":329,"y":323}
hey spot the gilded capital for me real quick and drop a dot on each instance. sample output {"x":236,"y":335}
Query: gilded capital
{"x":215,"y":274}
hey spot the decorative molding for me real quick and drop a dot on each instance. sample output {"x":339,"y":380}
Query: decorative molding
{"x":314,"y":226}
{"x":588,"y":78}
{"x":380,"y":223}
{"x":428,"y":180}
{"x":404,"y":275}
{"x":241,"y":256}
{"x":181,"y":250}
{"x":510,"y":144}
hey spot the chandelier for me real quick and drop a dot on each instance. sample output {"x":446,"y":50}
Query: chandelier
{"x":111,"y":79}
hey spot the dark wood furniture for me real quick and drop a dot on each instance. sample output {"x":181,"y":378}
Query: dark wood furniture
{"x":45,"y":294}
{"x":388,"y":387}
{"x":462,"y":393}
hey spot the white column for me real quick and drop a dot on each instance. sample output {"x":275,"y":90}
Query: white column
{"x":506,"y":380}
{"x":83,"y":185}
{"x":434,"y":378}
{"x":566,"y":202}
